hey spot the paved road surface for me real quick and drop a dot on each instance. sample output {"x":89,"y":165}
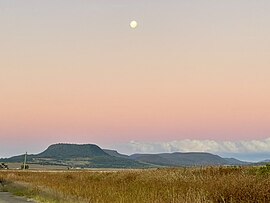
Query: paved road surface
{"x":6,"y":197}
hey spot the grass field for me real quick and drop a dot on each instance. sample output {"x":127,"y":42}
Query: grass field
{"x":192,"y":185}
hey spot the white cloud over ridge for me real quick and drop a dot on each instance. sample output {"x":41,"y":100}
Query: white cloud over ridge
{"x":187,"y":145}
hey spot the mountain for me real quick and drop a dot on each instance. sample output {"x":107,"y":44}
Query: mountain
{"x":74,"y":155}
{"x":92,"y":156}
{"x":184,"y":159}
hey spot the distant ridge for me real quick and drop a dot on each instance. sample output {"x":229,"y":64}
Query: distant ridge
{"x":266,"y":161}
{"x":181,"y":159}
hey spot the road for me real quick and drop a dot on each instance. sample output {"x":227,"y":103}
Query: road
{"x":6,"y":197}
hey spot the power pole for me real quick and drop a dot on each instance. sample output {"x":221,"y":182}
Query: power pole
{"x":24,"y":163}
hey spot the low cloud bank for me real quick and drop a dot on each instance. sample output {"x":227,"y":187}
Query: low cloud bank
{"x":187,"y":145}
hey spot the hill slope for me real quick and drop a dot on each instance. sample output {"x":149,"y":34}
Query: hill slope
{"x":115,"y":153}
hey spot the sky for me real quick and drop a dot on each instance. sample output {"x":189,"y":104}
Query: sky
{"x":192,"y":71}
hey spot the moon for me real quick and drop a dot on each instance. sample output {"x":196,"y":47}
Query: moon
{"x":133,"y":24}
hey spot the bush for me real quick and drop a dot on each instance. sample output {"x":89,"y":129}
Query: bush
{"x":26,"y":167}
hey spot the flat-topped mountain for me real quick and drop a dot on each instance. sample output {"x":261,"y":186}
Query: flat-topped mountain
{"x":72,"y":151}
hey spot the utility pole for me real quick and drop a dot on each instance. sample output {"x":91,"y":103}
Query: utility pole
{"x":24,"y":163}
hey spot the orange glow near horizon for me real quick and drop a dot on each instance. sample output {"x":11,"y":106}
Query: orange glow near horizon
{"x":83,"y":74}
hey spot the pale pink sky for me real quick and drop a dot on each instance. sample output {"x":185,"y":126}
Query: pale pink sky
{"x":73,"y":71}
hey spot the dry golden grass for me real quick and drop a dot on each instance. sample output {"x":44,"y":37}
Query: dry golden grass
{"x":193,"y":185}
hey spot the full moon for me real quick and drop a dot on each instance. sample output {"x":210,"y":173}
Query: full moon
{"x":133,"y":24}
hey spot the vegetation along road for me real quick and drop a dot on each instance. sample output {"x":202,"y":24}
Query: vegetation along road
{"x":6,"y":197}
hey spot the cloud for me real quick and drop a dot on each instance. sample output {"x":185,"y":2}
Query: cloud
{"x":187,"y":145}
